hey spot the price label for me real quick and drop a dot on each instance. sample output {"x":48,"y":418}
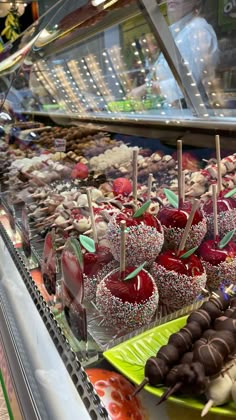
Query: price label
{"x":25,"y":233}
{"x":60,"y":145}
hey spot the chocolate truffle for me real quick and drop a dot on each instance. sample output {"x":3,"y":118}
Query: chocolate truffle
{"x":187,"y":357}
{"x":210,"y":357}
{"x":181,"y":340}
{"x":169,"y":353}
{"x":212,"y":309}
{"x":201,"y":317}
{"x":193,"y":329}
{"x":155,"y":371}
{"x":208,"y":334}
{"x":224,"y":341}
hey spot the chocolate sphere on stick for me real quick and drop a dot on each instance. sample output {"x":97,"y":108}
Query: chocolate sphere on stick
{"x":212,"y":309}
{"x":169,"y":353}
{"x":193,"y":329}
{"x":224,"y":341}
{"x":181,"y":340}
{"x":210,"y":357}
{"x":201,"y":317}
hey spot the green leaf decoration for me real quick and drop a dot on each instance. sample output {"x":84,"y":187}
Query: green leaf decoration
{"x":73,"y":245}
{"x":226,"y":239}
{"x":135,"y":272}
{"x":87,"y":243}
{"x":188,"y":253}
{"x":171,"y":197}
{"x":142,"y":209}
{"x":230,"y":193}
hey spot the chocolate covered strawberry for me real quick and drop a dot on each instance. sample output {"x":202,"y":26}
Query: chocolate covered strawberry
{"x":174,"y":220}
{"x":49,"y":263}
{"x":179,"y":277}
{"x":219,"y":260}
{"x":127,"y":302}
{"x":144,"y":239}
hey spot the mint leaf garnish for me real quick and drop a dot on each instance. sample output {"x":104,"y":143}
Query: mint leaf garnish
{"x":188,"y":253}
{"x":226,"y":239}
{"x":171,"y":197}
{"x":87,"y":243}
{"x":135,"y":272}
{"x":142,"y":209}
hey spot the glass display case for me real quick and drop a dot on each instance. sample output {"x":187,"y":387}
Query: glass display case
{"x":95,"y":96}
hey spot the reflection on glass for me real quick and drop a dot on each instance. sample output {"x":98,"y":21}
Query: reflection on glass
{"x":116,"y":66}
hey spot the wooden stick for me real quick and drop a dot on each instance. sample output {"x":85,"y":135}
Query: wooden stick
{"x":122,"y":246}
{"x":188,"y":225}
{"x":215,"y":216}
{"x":207,"y":407}
{"x":150,"y":180}
{"x":135,"y":177}
{"x":183,"y":185}
{"x":95,"y":236}
{"x":218,"y":158}
{"x":180,"y":164}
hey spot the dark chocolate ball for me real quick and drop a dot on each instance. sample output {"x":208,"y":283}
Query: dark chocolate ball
{"x":201,"y":317}
{"x":230,"y":313}
{"x":210,"y":357}
{"x":222,"y":301}
{"x":208,"y":334}
{"x":187,"y":357}
{"x":181,"y":340}
{"x":172,"y":376}
{"x":169,"y":353}
{"x":233,"y":303}
{"x":155,"y":370}
{"x":224,"y":341}
{"x":225,"y":324}
{"x":199,"y":343}
{"x":193,"y":329}
{"x":212,"y":309}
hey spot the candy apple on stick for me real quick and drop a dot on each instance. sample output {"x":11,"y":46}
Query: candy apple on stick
{"x":218,"y":256}
{"x":174,"y":216}
{"x":179,"y":275}
{"x":127,"y":296}
{"x":226,"y":204}
{"x":145,"y":238}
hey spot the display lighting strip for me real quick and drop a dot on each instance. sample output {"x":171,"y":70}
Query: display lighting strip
{"x":71,"y":97}
{"x":80,"y":67}
{"x":81,"y":85}
{"x":118,"y":64}
{"x":45,"y":70}
{"x":40,"y":77}
{"x":97,"y":75}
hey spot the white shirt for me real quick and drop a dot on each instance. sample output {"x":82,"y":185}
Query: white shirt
{"x":197,"y":43}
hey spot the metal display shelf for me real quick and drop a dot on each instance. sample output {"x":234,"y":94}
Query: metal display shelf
{"x":46,"y":387}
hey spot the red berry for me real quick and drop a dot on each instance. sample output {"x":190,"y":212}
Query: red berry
{"x":122,"y":186}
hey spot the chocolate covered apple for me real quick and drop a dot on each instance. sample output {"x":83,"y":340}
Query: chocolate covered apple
{"x":144,"y":239}
{"x":226,"y":209}
{"x":219,"y":262}
{"x":174,"y":220}
{"x":178,"y":279}
{"x":127,"y":303}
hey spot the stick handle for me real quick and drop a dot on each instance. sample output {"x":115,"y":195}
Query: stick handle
{"x":215,"y":217}
{"x":218,"y":158}
{"x":180,"y":164}
{"x":122,"y":246}
{"x":95,"y":237}
{"x":183,"y":185}
{"x":150,"y":179}
{"x":135,"y":177}
{"x":188,"y":225}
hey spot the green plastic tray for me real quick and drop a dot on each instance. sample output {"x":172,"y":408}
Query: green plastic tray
{"x":134,"y":105}
{"x":130,"y":357}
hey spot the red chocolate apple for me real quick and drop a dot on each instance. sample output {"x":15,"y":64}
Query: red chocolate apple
{"x":174,"y":221}
{"x":127,"y":303}
{"x":220,"y":264}
{"x":96,"y":266}
{"x":144,"y":239}
{"x":179,"y":280}
{"x":226,"y":211}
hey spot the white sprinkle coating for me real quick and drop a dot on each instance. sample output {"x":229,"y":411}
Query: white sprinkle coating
{"x":217,"y":274}
{"x":91,"y":282}
{"x":177,"y":290}
{"x":173,"y":236}
{"x":125,"y":314}
{"x":226,"y":223}
{"x":143,"y":243}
